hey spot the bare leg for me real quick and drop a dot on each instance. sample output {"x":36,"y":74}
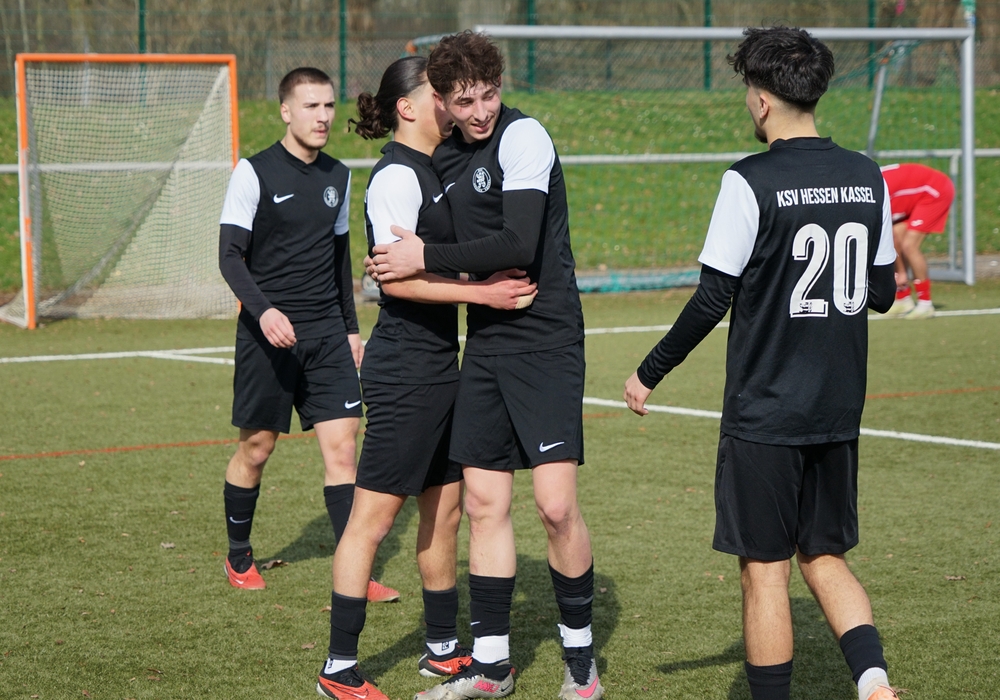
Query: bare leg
{"x":491,"y":533}
{"x":837,"y":591}
{"x":767,"y":613}
{"x":247,"y":465}
{"x":437,"y":536}
{"x":898,"y":233}
{"x":912,"y":255}
{"x":338,"y":445}
{"x":371,"y":519}
{"x":555,"y":498}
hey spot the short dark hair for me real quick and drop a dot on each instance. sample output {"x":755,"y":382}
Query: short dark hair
{"x":377,"y":114}
{"x":787,"y":62}
{"x":301,"y":76}
{"x":463,"y":60}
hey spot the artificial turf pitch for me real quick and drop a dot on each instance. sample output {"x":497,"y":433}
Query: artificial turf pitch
{"x":111,"y":582}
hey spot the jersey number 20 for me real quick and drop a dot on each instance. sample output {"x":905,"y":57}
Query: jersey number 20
{"x":850,"y":250}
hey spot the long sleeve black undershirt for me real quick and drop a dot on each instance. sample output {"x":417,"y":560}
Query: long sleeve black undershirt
{"x":709,"y":305}
{"x":702,"y":313}
{"x":233,"y":244}
{"x":344,"y":280}
{"x":881,"y":287}
{"x":515,"y":246}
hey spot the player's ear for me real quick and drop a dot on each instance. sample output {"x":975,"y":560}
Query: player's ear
{"x":286,"y":113}
{"x":404,"y":108}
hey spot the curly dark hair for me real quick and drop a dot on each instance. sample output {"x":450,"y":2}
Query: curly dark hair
{"x":462,"y":60}
{"x":787,"y":62}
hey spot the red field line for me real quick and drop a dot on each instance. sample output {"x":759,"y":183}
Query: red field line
{"x":137,"y":448}
{"x":905,"y":394}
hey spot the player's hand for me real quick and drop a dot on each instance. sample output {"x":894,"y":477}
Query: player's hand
{"x":636,"y":394}
{"x":357,"y":348}
{"x":370,"y":268}
{"x":277,"y":328}
{"x":399,"y":260}
{"x":509,"y":289}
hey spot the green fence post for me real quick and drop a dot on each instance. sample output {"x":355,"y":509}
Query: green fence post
{"x":142,"y":26}
{"x":871,"y":45}
{"x":707,"y":47}
{"x":532,"y":19}
{"x":343,"y":50}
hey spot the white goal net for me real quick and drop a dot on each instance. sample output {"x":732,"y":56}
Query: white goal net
{"x":123,"y":167}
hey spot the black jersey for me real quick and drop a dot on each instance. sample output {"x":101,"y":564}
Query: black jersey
{"x":800,"y":225}
{"x":293,"y":210}
{"x":518,"y":156}
{"x":411,"y":343}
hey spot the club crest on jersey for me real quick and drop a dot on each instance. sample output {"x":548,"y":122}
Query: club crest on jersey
{"x":330,"y":196}
{"x":481,"y":180}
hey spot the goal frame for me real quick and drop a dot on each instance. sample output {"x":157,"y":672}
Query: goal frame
{"x":964,"y":156}
{"x":23,"y":143}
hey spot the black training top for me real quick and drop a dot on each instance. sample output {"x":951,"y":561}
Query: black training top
{"x":295,"y":253}
{"x":798,"y":228}
{"x":411,"y":343}
{"x":510,"y":188}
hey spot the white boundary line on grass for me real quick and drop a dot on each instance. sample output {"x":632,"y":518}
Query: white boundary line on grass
{"x":909,"y":437}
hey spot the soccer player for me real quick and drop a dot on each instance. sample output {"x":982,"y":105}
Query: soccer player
{"x":283,"y":249}
{"x":800,"y":246}
{"x":409,"y":379}
{"x":520,"y":394}
{"x":920,"y":199}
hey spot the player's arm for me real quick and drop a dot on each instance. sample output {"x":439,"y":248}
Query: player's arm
{"x":729,"y":243}
{"x":881,"y":275}
{"x":235,"y":234}
{"x":343,"y":277}
{"x":509,"y":289}
{"x":526,"y":155}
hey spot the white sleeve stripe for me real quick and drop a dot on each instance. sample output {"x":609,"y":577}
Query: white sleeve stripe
{"x":394,"y":197}
{"x":242,"y":197}
{"x":341,"y":225}
{"x":732,"y":232}
{"x":526,"y":156}
{"x":886,"y":252}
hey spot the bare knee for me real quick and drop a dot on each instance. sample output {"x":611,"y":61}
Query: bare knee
{"x":255,"y":449}
{"x":558,"y":515}
{"x":761,"y":575}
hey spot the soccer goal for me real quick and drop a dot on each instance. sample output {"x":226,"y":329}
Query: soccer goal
{"x":123,"y":163}
{"x":647,"y":119}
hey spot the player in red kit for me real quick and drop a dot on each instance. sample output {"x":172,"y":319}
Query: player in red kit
{"x":920,"y":197}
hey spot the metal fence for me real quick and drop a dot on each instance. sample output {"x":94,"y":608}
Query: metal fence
{"x":355,"y":39}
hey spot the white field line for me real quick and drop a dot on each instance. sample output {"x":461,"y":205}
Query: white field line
{"x":909,"y":437}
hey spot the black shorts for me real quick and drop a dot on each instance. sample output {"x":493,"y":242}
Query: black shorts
{"x":772,"y":499}
{"x":316,"y":376}
{"x":519,"y":411}
{"x":405,"y":450}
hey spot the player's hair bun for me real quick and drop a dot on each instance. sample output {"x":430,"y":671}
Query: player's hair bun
{"x":377,"y":113}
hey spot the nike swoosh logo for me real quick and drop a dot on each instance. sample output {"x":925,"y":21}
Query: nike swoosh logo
{"x":438,"y":198}
{"x":589,"y":691}
{"x":238,"y":522}
{"x":542,"y":447}
{"x":279,"y":200}
{"x":475,"y":622}
{"x":448,"y":187}
{"x":348,"y":404}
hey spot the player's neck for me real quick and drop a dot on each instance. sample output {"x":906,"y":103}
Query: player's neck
{"x":297,"y":149}
{"x":798,"y":127}
{"x":409,"y":134}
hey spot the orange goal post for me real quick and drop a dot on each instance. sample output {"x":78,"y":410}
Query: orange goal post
{"x":123,"y":163}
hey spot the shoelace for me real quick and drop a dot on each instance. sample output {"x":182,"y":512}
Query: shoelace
{"x":579,"y":668}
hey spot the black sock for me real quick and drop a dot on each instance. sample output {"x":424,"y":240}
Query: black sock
{"x":347,"y":620}
{"x":339,"y":500}
{"x":440,"y":611}
{"x":770,"y":682}
{"x":575,"y":597}
{"x":495,"y":672}
{"x":240,"y":504}
{"x":862,"y":650}
{"x":489,"y":605}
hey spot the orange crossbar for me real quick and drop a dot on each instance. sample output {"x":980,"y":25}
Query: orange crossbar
{"x":127,"y":57}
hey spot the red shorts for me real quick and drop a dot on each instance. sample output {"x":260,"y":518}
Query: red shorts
{"x":920,"y":196}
